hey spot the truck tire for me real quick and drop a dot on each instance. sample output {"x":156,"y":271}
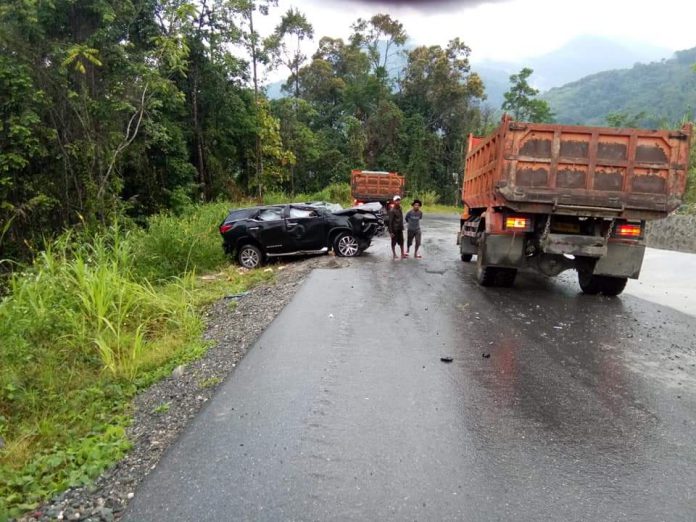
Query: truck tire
{"x":506,"y":277}
{"x":589,"y":283}
{"x":613,"y":286}
{"x":486,"y":275}
{"x":467,"y":257}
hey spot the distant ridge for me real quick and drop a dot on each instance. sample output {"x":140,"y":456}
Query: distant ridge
{"x":664,"y":91}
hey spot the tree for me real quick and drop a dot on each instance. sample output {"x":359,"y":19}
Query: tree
{"x":379,"y":31}
{"x":252,"y":43}
{"x":522,"y":102}
{"x":622,"y":119}
{"x":438,"y":86}
{"x":285,"y":46}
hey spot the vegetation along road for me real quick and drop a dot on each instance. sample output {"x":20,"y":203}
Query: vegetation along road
{"x":556,"y":405}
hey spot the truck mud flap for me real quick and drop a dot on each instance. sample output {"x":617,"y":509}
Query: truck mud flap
{"x":504,"y":250}
{"x":622,"y":260}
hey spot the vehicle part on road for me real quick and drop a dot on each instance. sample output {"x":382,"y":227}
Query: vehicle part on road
{"x":250,"y":256}
{"x":551,"y":198}
{"x":447,"y":359}
{"x":345,"y":245}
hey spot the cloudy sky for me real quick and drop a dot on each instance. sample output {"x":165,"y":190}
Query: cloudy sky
{"x":511,"y":30}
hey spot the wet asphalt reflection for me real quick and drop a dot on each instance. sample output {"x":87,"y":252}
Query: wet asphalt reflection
{"x":556,"y":405}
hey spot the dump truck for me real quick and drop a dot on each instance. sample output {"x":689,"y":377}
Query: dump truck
{"x":368,"y":186}
{"x":552,"y":197}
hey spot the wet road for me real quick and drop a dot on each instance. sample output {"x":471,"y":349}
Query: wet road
{"x":585,"y":408}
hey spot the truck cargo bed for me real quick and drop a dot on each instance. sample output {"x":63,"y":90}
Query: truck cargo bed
{"x":575,"y":170}
{"x":368,"y":186}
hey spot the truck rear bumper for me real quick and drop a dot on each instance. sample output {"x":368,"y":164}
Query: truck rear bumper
{"x":590,"y":246}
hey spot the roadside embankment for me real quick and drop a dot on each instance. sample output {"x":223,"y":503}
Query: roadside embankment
{"x":673,"y":233}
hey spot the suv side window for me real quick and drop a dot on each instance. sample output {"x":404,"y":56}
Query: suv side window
{"x":296,"y":213}
{"x":270,"y":214}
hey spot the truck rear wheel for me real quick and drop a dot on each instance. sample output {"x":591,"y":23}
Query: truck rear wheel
{"x":589,"y":283}
{"x":506,"y":276}
{"x":612,"y":286}
{"x":486,"y":275}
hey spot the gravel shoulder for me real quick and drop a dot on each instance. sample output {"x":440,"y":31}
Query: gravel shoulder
{"x":232,"y":330}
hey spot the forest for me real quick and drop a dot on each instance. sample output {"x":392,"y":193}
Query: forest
{"x":132,"y":107}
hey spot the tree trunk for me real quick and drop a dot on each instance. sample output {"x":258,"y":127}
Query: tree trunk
{"x":254,"y":61}
{"x":198,"y":137}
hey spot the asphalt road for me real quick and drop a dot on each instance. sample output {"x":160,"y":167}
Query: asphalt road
{"x":584,"y":410}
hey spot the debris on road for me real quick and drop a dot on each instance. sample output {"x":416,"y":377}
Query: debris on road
{"x":446,"y":359}
{"x":237,"y":296}
{"x":486,"y":355}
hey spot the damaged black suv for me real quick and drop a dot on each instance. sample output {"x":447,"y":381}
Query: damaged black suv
{"x":254,"y":234}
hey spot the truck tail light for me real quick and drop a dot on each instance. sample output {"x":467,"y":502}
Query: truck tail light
{"x":629,"y":230}
{"x":518,"y":223}
{"x":226,"y":227}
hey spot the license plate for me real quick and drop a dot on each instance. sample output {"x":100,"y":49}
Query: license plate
{"x":569,"y":228}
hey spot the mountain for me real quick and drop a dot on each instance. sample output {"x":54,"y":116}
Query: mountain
{"x":576,"y":59}
{"x":663,"y":91}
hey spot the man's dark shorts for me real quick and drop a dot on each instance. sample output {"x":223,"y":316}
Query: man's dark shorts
{"x":398,"y":238}
{"x":414,"y":234}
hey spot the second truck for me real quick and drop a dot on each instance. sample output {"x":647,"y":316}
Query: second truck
{"x":555,"y":197}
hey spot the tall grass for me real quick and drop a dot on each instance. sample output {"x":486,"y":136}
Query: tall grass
{"x":91,"y":320}
{"x":334,"y":193}
{"x":174,"y":245}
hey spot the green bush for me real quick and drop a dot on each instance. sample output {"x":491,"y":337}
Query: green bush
{"x":174,"y":245}
{"x":428,"y":197}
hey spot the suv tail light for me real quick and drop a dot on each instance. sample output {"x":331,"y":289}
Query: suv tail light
{"x":226,"y":227}
{"x":628,"y":230}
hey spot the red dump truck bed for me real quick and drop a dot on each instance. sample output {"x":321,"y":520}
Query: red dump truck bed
{"x":368,"y":186}
{"x":590,"y":171}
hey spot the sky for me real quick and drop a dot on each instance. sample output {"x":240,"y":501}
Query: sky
{"x":510,"y":30}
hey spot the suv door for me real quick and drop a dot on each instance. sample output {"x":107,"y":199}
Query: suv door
{"x":307,"y":228}
{"x":268,"y":228}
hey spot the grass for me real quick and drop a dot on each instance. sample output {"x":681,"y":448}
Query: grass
{"x":91,"y":322}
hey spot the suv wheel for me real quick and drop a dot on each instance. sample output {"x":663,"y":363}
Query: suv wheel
{"x":345,"y":245}
{"x":250,"y":256}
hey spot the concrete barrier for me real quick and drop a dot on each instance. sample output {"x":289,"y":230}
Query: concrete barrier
{"x":673,"y":233}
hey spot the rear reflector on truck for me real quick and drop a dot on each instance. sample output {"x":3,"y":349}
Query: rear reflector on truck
{"x":629,"y":230}
{"x":518,"y":223}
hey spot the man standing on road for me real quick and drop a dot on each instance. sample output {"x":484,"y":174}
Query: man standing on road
{"x":396,"y":227}
{"x":413,"y":218}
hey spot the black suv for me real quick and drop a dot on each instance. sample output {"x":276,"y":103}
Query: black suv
{"x":253,"y":234}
